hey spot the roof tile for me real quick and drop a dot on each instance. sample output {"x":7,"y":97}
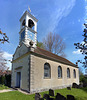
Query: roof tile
{"x":53,"y":56}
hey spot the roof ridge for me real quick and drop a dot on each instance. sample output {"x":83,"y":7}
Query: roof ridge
{"x":53,"y":53}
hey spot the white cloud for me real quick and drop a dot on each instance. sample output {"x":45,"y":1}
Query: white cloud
{"x":82,"y":42}
{"x":79,"y":20}
{"x":59,"y":13}
{"x":86,"y":7}
{"x":8,"y":56}
{"x":77,"y":52}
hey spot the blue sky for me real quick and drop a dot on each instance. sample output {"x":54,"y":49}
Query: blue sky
{"x":64,"y":17}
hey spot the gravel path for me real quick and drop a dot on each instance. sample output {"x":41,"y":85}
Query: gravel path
{"x":6,"y":90}
{"x":23,"y":92}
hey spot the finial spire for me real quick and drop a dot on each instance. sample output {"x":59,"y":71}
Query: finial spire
{"x":29,"y":9}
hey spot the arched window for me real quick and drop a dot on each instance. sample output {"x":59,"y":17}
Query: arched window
{"x":59,"y":72}
{"x":47,"y":70}
{"x":30,"y":23}
{"x":68,"y":73}
{"x":23,"y":23}
{"x":74,"y":73}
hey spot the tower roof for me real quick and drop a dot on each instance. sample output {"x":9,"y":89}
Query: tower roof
{"x":27,"y":13}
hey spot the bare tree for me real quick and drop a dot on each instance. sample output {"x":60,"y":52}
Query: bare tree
{"x":4,"y":37}
{"x":2,"y":61}
{"x":54,"y":43}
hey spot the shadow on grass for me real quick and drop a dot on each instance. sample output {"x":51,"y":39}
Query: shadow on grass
{"x":84,"y":89}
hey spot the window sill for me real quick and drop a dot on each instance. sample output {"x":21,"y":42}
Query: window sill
{"x":68,"y":77}
{"x":47,"y":78}
{"x":59,"y":77}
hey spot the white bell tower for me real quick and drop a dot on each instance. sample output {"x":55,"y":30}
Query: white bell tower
{"x":28,"y":29}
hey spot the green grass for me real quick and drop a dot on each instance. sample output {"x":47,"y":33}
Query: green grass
{"x":80,"y":94}
{"x":3,"y":87}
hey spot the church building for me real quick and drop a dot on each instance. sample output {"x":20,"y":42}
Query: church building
{"x":35,"y":69}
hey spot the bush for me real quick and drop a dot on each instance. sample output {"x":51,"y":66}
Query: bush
{"x":6,"y":80}
{"x":2,"y":79}
{"x":83,"y":79}
{"x":3,"y":87}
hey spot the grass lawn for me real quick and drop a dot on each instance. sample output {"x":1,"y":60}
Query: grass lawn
{"x":80,"y":94}
{"x":3,"y":87}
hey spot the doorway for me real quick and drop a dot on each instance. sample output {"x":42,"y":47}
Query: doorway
{"x":18,"y":79}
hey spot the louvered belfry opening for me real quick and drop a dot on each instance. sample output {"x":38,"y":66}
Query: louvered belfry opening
{"x":30,"y":23}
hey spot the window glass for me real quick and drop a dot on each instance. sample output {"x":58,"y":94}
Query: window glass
{"x":30,"y":24}
{"x":68,"y":73}
{"x":74,"y":73}
{"x":47,"y":70}
{"x":59,"y":71}
{"x":23,"y":23}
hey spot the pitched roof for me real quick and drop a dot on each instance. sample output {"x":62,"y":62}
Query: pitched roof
{"x":52,"y":56}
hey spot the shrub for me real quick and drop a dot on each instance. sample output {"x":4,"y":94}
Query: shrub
{"x":6,"y":80}
{"x":2,"y":79}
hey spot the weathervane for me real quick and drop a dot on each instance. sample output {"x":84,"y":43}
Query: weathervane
{"x":29,"y":9}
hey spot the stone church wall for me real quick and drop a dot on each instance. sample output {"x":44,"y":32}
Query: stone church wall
{"x":39,"y":83}
{"x":21,"y":65}
{"x":21,"y":50}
